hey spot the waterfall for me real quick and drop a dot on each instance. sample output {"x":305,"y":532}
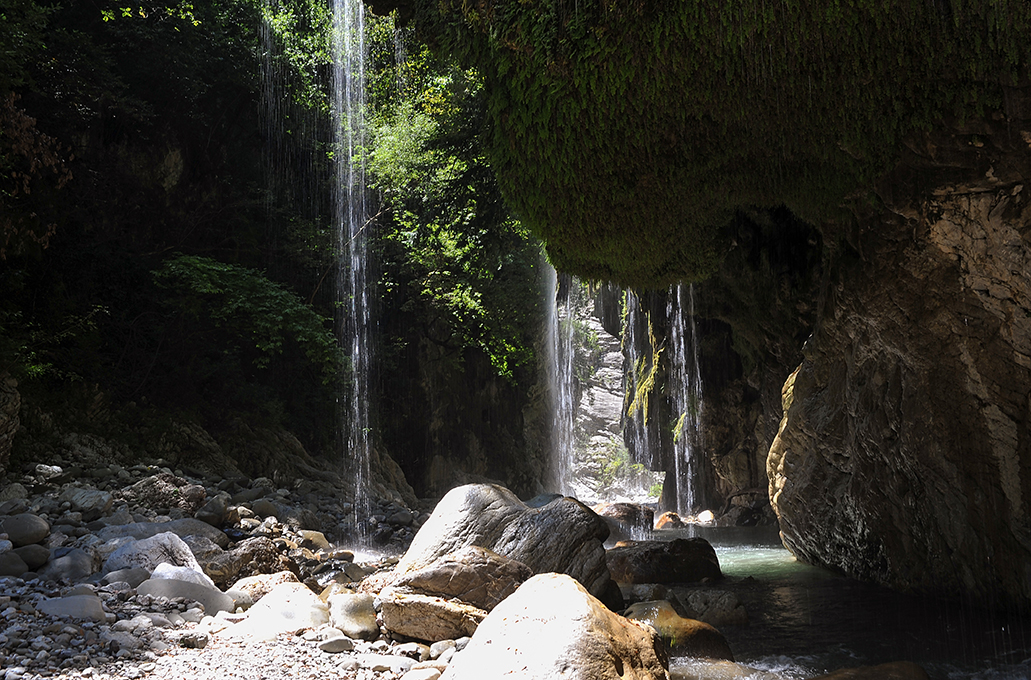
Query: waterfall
{"x":562,"y":391}
{"x":638,"y":374}
{"x":685,"y":391}
{"x":349,"y":51}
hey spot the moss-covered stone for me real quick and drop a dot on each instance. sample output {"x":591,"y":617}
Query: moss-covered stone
{"x":627,"y":132}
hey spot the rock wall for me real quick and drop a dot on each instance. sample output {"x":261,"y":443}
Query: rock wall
{"x":10,"y":405}
{"x":450,"y":422}
{"x":904,"y":452}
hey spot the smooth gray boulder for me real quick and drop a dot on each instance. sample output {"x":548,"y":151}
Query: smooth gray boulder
{"x":74,"y":606}
{"x":213,"y":599}
{"x":552,"y":627}
{"x":134,"y":576}
{"x":11,"y":564}
{"x":72,"y":567}
{"x":24,"y":528}
{"x":35,"y":555}
{"x":166,"y":570}
{"x":563,"y":536}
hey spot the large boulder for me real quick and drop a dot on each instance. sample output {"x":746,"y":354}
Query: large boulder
{"x":563,"y":536}
{"x":471,"y":574}
{"x":150,"y":552}
{"x":71,"y":567}
{"x":289,"y":607}
{"x":682,"y":560}
{"x":552,"y":627}
{"x":75,"y":607}
{"x":24,"y":528}
{"x":212,"y":599}
{"x":11,"y":564}
{"x":354,"y":614}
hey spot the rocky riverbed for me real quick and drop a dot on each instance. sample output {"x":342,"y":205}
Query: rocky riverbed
{"x":149,"y":571}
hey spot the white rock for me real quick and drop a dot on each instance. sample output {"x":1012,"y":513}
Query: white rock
{"x":552,"y":627}
{"x":288,"y":607}
{"x":165,"y":570}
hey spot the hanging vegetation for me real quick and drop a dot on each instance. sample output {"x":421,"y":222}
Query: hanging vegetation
{"x":628,"y":132}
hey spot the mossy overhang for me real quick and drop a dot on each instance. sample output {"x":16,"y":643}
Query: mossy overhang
{"x":627,"y":133}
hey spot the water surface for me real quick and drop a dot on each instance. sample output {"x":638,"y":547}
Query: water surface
{"x":806,"y":621}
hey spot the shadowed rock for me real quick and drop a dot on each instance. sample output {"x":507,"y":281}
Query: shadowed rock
{"x":682,"y":560}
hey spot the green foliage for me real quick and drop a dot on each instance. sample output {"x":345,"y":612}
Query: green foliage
{"x":644,"y":376}
{"x":28,"y":350}
{"x":253,"y":316}
{"x":628,"y":132}
{"x":22,"y":25}
{"x":655,"y":490}
{"x":455,"y":259}
{"x":618,"y":465}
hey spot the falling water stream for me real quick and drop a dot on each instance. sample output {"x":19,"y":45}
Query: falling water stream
{"x":636,"y":372}
{"x":351,"y":216}
{"x":685,"y":392}
{"x":561,"y":390}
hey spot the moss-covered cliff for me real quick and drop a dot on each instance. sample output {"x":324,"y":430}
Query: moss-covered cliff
{"x":631,"y":134}
{"x":627,"y":132}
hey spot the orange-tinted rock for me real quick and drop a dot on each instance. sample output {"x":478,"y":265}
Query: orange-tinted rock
{"x":686,"y":637}
{"x":669,"y":520}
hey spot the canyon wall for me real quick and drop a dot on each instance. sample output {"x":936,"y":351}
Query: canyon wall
{"x":903,"y":455}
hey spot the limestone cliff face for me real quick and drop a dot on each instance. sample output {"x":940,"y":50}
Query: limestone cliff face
{"x":904,"y":454}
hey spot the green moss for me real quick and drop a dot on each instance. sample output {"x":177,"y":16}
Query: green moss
{"x":627,"y":132}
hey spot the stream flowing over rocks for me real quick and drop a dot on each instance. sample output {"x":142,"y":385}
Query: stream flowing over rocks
{"x":252,"y":585}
